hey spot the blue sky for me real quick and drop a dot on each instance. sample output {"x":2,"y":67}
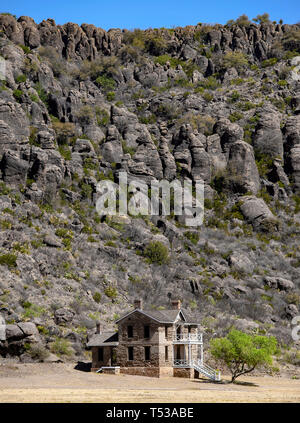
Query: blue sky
{"x":155,"y":13}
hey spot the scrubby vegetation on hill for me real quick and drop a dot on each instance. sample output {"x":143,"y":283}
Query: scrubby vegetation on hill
{"x":211,"y":102}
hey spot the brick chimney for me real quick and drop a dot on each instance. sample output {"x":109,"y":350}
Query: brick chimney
{"x":98,"y":328}
{"x":176,"y":304}
{"x":138,"y":304}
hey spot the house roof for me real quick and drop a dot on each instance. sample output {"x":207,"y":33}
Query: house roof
{"x":105,"y":339}
{"x":162,"y":316}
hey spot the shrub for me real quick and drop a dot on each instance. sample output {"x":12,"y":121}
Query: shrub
{"x":21,"y":78}
{"x":64,"y":131}
{"x":264,"y":163}
{"x":65,"y":152}
{"x":102,"y":116}
{"x":37,"y":351}
{"x":293,"y":298}
{"x":156,"y":252}
{"x":209,"y":83}
{"x":105,"y":82}
{"x":235,"y":59}
{"x":32,"y":310}
{"x":155,"y":44}
{"x":25,"y":48}
{"x":85,"y":115}
{"x":42,"y":93}
{"x":235,"y":116}
{"x":162,"y":60}
{"x":18,"y":95}
{"x":8,"y":14}
{"x":192,"y":236}
{"x":97,"y":297}
{"x":61,"y":347}
{"x":291,"y":41}
{"x":110,"y":244}
{"x":235,"y":96}
{"x":207,"y":96}
{"x":242,"y":353}
{"x":127,"y":149}
{"x":10,"y":260}
{"x":269,"y":62}
{"x":111,"y":292}
{"x":110,"y":96}
{"x":54,"y":60}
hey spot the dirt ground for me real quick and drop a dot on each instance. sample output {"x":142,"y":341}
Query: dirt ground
{"x":62,"y":383}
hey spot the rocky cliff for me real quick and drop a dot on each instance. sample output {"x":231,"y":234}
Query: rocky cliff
{"x":77,"y":106}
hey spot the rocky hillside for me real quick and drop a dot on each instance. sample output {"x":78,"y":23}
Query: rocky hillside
{"x":77,"y":106}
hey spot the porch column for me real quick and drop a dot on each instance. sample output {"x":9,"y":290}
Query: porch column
{"x":201,"y":353}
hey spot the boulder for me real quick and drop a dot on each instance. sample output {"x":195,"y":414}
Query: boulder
{"x":293,"y":166}
{"x":241,"y":263}
{"x":83,"y":146}
{"x":28,"y":328}
{"x":14,"y":116}
{"x":6,"y":136}
{"x":46,"y":140}
{"x":14,"y":169}
{"x":63,"y":315}
{"x":291,"y":132}
{"x":291,"y":311}
{"x":2,"y":329}
{"x":52,"y":358}
{"x":241,"y":168}
{"x":167,"y":160}
{"x":228,"y":132}
{"x":111,"y":149}
{"x":13,"y":332}
{"x":52,"y":241}
{"x":268,"y":136}
{"x":279,"y":283}
{"x":256,"y":211}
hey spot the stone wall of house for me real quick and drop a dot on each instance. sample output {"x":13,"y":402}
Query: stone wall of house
{"x":189,"y":373}
{"x":166,"y":341}
{"x":161,"y":336}
{"x":138,"y":342}
{"x":141,"y":371}
{"x":106,"y":357}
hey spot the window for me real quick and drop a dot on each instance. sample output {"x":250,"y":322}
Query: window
{"x":100,"y":354}
{"x":189,"y":329}
{"x":130,"y":331}
{"x":130,"y":353}
{"x":166,"y":332}
{"x":146,"y":331}
{"x":166,"y":354}
{"x":147,"y":353}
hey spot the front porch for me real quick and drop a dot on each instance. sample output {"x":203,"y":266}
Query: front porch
{"x":188,"y":357}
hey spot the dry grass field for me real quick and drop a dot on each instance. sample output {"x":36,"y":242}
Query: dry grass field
{"x":61,"y":383}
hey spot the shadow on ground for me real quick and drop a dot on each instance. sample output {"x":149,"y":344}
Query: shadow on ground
{"x":83,"y":367}
{"x":224,"y":382}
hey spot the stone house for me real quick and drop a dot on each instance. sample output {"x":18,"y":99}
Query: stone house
{"x":151,"y":343}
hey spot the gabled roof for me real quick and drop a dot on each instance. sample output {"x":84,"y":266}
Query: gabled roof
{"x":105,"y":339}
{"x":161,"y":316}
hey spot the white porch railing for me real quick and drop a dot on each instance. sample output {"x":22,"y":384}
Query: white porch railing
{"x":181,"y":363}
{"x":200,"y":367}
{"x":190,"y":337}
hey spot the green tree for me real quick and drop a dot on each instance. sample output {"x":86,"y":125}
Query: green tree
{"x":242,"y":353}
{"x":242,"y":20}
{"x":264,"y":18}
